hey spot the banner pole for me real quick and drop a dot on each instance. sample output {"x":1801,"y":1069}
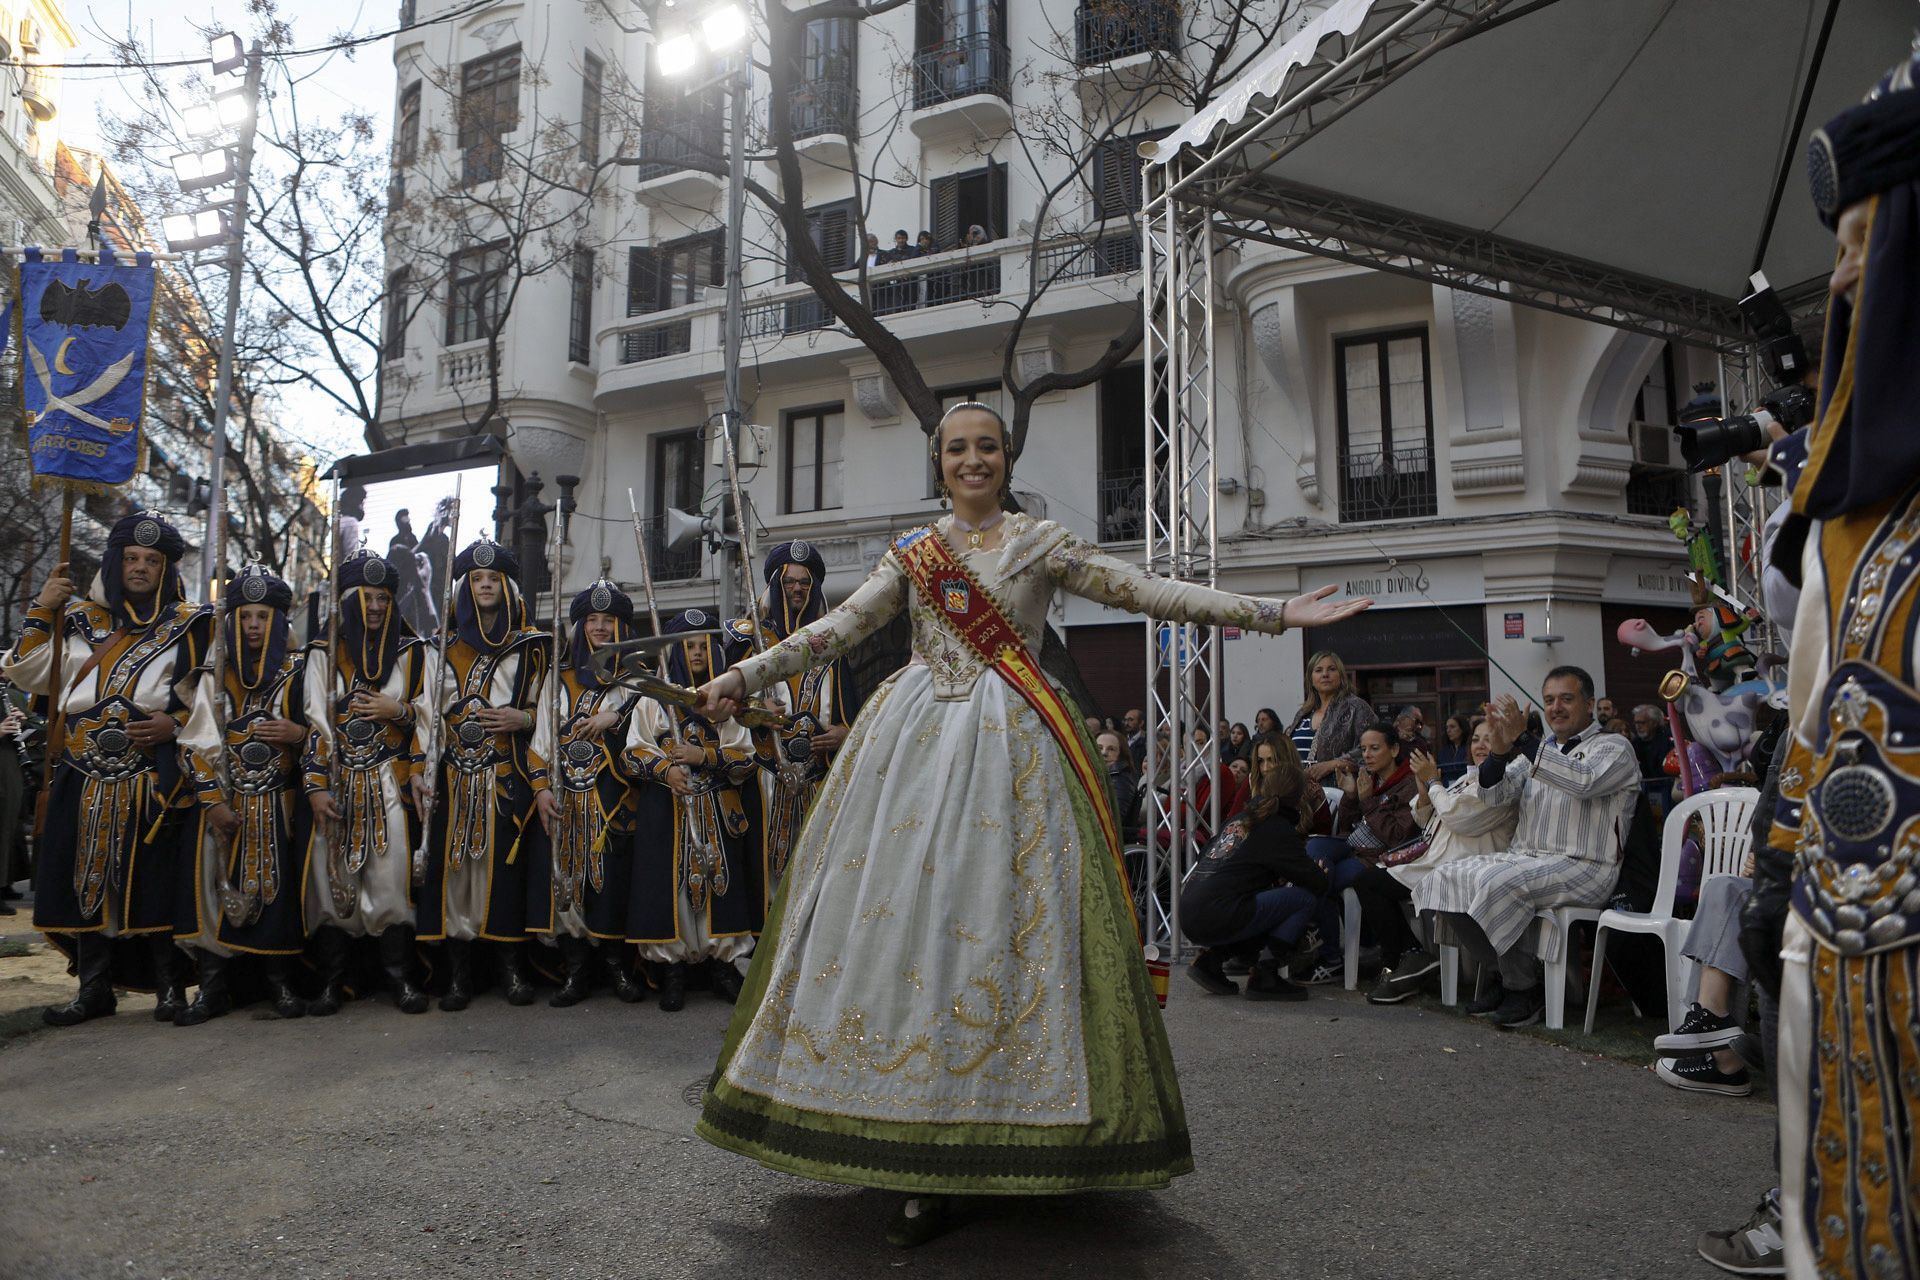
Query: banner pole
{"x":56,"y":722}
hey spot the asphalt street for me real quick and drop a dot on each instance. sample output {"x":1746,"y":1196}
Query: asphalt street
{"x":1333,"y":1138}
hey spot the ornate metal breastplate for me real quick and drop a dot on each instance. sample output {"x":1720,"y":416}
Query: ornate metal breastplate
{"x":470,"y":746}
{"x":255,"y":767}
{"x":99,"y":745}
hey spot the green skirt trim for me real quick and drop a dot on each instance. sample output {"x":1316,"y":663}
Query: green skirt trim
{"x":1137,"y":1138}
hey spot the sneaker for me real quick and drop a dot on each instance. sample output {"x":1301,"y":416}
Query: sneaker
{"x":1521,"y":1008}
{"x":1206,"y":969}
{"x":1488,"y":1002}
{"x":1699,"y":1073}
{"x":1321,"y":974}
{"x":1753,"y":1248}
{"x":1265,"y":983}
{"x":1699,"y":1030}
{"x":1415,"y":970}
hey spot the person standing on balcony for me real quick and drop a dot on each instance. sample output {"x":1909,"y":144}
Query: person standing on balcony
{"x":951,"y":997}
{"x":976,"y":235}
{"x":875,"y":257}
{"x":924,"y":245}
{"x":902,"y":247}
{"x":476,"y":874}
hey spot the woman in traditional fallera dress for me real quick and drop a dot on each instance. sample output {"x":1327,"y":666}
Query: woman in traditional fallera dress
{"x":949,"y":997}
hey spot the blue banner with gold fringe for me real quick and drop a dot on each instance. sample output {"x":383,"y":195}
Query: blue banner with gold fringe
{"x":82,"y":334}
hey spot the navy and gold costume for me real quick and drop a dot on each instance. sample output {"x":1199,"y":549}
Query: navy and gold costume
{"x":698,"y":897}
{"x":476,"y":876}
{"x":115,"y":814}
{"x":359,"y":881}
{"x":247,"y":886}
{"x":581,"y":876}
{"x":816,"y":699}
{"x":1850,"y":782}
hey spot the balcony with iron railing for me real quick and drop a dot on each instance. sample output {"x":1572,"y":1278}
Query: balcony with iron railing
{"x":1397,"y":484}
{"x":681,"y":148}
{"x":1109,"y":30}
{"x":1123,"y":505}
{"x":828,"y":106}
{"x":689,"y":337}
{"x":962,"y":86}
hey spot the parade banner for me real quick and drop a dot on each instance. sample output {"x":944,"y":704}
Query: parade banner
{"x":81,"y":328}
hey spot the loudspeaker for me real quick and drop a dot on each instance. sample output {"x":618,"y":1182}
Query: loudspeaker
{"x":682,"y":529}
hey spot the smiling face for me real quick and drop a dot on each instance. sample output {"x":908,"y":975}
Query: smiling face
{"x":600,"y":628}
{"x":488,"y":587}
{"x":1569,"y":709}
{"x":973,"y":457}
{"x":1482,"y":746}
{"x":375,"y":604}
{"x":254,"y":620}
{"x":141,"y":569}
{"x":1376,"y":751}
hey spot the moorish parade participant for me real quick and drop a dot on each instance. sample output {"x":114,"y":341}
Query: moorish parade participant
{"x":918,"y":1018}
{"x":697,"y":897}
{"x":820,"y":701}
{"x":365,"y":700}
{"x":582,"y":874}
{"x":104,"y":873}
{"x":475,"y":888}
{"x":242,"y":748}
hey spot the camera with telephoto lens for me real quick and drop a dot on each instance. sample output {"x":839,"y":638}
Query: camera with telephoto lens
{"x":1708,"y":440}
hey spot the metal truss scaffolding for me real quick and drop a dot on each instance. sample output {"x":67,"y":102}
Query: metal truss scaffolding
{"x":1182,"y":541}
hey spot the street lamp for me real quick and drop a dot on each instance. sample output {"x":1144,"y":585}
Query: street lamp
{"x":230,"y":110}
{"x":723,"y":28}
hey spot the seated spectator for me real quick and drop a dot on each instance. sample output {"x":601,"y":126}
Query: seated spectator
{"x":1331,"y":717}
{"x":1615,"y":725}
{"x":1452,"y":751}
{"x":925,"y":245}
{"x":1122,"y":781}
{"x":1652,"y":743}
{"x":1239,"y":743}
{"x":1376,"y":811}
{"x":1705,"y":1062}
{"x":1265,"y":721}
{"x":1258,"y":893}
{"x":1573,"y":800}
{"x":1411,"y":725}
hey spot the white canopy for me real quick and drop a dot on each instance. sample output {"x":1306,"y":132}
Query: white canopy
{"x":1631,"y":160}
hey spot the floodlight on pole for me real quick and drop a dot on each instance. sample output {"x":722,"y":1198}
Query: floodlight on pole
{"x":234,"y":108}
{"x":227,"y":52}
{"x":201,"y":119}
{"x":724,"y":27}
{"x":676,"y":55}
{"x":200,"y":229}
{"x":198,"y":170}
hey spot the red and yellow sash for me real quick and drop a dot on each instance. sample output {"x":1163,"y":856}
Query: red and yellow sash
{"x":947,"y":585}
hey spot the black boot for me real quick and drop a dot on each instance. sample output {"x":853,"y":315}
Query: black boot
{"x":459,"y":976}
{"x":286,"y":1003}
{"x":613,"y":957}
{"x":673,"y":987}
{"x":213,"y":999}
{"x":575,"y":954}
{"x":518,"y":986}
{"x":169,"y":995}
{"x":94,"y":963}
{"x":396,"y":959}
{"x":331,"y":946}
{"x":725,"y":979}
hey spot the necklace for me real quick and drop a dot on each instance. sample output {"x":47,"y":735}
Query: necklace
{"x":977,"y":533}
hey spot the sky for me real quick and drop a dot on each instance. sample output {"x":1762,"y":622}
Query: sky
{"x":330,"y":84}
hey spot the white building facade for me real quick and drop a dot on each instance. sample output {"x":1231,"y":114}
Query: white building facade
{"x":1497,"y":478}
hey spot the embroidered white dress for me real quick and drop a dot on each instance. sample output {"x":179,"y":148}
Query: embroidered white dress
{"x":949,"y":995}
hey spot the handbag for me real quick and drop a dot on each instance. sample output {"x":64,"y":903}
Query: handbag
{"x":1401,"y":854}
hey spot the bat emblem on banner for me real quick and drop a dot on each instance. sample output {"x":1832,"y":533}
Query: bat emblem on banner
{"x":76,"y":306}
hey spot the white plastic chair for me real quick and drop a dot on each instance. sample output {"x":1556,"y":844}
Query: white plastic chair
{"x":1725,"y":815}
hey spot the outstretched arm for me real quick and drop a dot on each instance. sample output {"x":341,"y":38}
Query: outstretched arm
{"x":1085,"y":570}
{"x":875,"y":604}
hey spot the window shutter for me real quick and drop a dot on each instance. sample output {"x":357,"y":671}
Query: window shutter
{"x":643,"y":281}
{"x":946,"y":211}
{"x":833,"y":232}
{"x":996,"y":200}
{"x":717,"y":258}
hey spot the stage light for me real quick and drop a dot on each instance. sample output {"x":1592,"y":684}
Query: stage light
{"x":232,"y":108}
{"x":724,"y":27}
{"x":676,"y":55}
{"x":201,"y":229}
{"x":201,"y":119}
{"x":197,"y":170}
{"x":227,"y":52}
